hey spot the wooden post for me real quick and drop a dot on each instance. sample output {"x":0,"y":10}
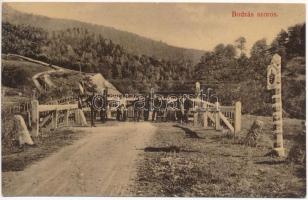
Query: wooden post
{"x":55,"y":119}
{"x":150,"y":115}
{"x":35,"y":119}
{"x":238,"y":117}
{"x":198,"y":90}
{"x":77,"y":116}
{"x":205,"y":119}
{"x":151,"y":104}
{"x":197,"y":105}
{"x":195,"y":117}
{"x":205,"y":115}
{"x":217,"y":117}
{"x":82,"y":118}
{"x":29,"y":119}
{"x":66,"y":117}
{"x":108,"y":110}
{"x":274,"y":83}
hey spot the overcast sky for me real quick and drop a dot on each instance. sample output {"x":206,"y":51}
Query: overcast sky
{"x":198,"y":25}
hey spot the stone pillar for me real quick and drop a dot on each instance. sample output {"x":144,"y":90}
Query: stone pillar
{"x":22,"y":131}
{"x":274,"y":83}
{"x":35,"y":119}
{"x":238,"y":117}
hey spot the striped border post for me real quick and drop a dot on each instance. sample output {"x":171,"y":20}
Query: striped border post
{"x":274,"y":83}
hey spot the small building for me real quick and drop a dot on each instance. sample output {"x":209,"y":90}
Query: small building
{"x":102,"y":84}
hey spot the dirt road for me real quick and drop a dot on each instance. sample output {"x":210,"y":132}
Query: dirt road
{"x":102,"y":163}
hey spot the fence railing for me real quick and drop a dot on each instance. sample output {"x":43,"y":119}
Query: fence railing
{"x":52,"y":116}
{"x":214,"y":115}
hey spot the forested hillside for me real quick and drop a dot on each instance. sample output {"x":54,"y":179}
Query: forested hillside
{"x":78,"y":48}
{"x":232,"y":72}
{"x":132,"y":43}
{"x":243,"y":78}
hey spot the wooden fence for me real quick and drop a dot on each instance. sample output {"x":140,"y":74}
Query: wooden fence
{"x":216,"y":116}
{"x":52,"y":116}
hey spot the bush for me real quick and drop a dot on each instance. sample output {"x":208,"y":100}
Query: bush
{"x":8,"y":136}
{"x":14,"y":77}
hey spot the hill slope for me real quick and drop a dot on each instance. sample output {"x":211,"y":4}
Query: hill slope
{"x":131,"y":42}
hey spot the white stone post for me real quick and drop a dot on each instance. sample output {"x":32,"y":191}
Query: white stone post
{"x":22,"y":131}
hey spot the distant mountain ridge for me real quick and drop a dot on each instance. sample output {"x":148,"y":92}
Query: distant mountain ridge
{"x":131,"y":42}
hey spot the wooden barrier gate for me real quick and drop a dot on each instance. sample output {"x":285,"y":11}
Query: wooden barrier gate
{"x":214,"y":115}
{"x":52,"y":116}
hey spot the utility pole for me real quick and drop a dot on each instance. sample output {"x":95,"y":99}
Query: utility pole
{"x":274,"y":83}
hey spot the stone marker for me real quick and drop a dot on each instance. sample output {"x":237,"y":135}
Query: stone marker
{"x":274,"y":83}
{"x":22,"y":131}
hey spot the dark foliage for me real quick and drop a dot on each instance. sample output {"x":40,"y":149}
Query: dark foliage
{"x":14,"y":77}
{"x":239,"y":78}
{"x":233,"y":77}
{"x":132,"y":43}
{"x":78,"y":49}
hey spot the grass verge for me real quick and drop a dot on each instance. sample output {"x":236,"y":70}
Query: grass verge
{"x":16,"y":159}
{"x":193,"y":162}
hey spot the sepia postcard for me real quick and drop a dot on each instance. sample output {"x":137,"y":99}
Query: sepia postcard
{"x":144,"y":99}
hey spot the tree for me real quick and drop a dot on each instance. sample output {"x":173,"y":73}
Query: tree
{"x":279,"y":46}
{"x":259,"y":48}
{"x":240,"y":44}
{"x":219,"y":49}
{"x":296,"y":41}
{"x":229,"y":51}
{"x":259,"y":59}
